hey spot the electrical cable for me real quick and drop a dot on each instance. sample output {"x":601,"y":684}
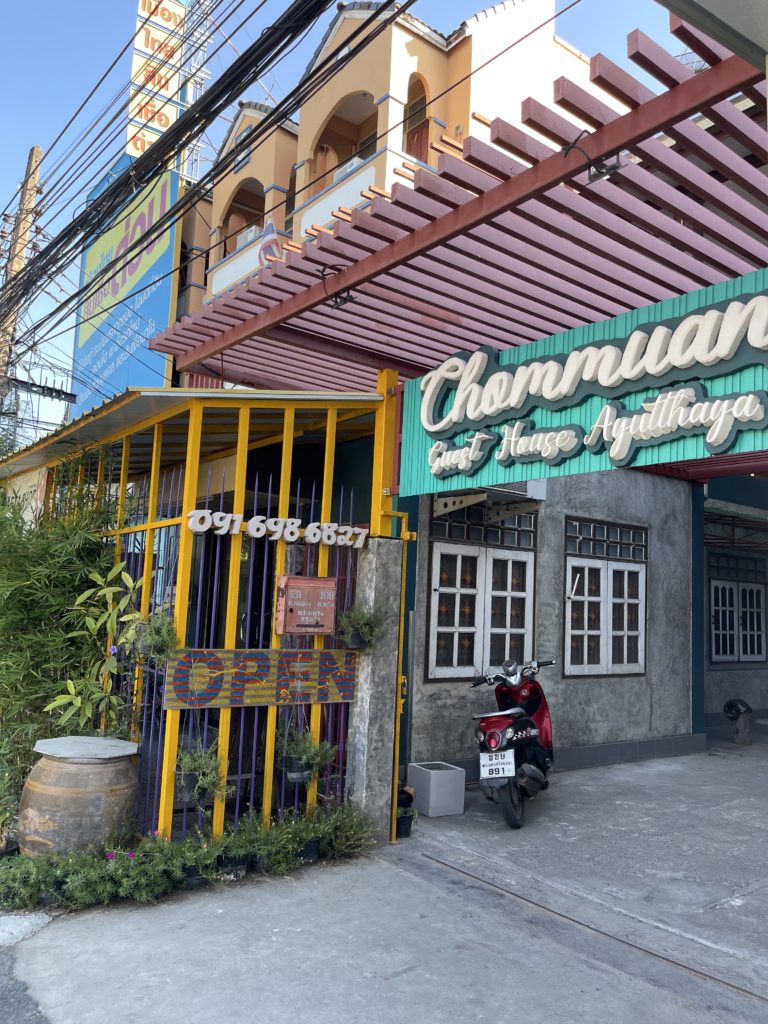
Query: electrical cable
{"x":279,"y":204}
{"x":57,"y":190}
{"x":47,"y":153}
{"x":146,"y":168}
{"x":308,"y":86}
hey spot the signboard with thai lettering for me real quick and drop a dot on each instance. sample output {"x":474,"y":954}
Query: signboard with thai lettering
{"x":678,"y":380}
{"x":225,"y":679}
{"x":306,"y":604}
{"x":155,"y":94}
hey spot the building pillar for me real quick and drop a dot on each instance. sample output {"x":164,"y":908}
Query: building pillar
{"x":372,"y":715}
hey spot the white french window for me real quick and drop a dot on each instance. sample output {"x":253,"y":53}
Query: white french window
{"x":605,"y":617}
{"x":737,"y":621}
{"x":481,"y":609}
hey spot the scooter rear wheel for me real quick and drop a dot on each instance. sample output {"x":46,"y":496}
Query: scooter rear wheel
{"x":512,"y":804}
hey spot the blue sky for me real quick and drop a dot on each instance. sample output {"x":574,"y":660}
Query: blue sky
{"x":51,"y":63}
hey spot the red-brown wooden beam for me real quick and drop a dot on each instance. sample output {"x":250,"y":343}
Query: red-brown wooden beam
{"x":702,"y":90}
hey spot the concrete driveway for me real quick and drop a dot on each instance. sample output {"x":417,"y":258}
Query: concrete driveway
{"x":635,"y":893}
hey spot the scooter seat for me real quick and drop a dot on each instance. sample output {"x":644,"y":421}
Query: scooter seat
{"x":493,"y":714}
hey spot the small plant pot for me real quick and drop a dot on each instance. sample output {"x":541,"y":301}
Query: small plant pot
{"x":193,"y":877}
{"x":258,"y":864}
{"x":310,"y":851}
{"x":356,"y":641}
{"x":403,"y":826}
{"x":233,"y":865}
{"x":297,"y":771}
{"x":185,"y":788}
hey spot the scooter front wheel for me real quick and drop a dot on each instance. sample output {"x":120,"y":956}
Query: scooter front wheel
{"x":512,"y":804}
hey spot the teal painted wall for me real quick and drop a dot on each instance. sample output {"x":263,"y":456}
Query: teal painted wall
{"x":416,"y":478}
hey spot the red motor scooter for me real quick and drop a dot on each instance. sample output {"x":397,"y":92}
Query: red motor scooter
{"x":515,"y":741}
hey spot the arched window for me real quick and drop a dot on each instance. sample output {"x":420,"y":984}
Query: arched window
{"x":347,"y":138}
{"x":416,"y":126}
{"x":245,"y":210}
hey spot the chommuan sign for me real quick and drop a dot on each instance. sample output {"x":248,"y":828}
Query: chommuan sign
{"x":683,"y":379}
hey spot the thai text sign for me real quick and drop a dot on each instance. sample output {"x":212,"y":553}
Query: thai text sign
{"x":225,"y":679}
{"x":306,"y":604}
{"x":157,"y":59}
{"x":683,"y":379}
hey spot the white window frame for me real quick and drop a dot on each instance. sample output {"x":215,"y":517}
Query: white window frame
{"x":737,"y":587}
{"x":483,"y":591}
{"x":606,"y":632}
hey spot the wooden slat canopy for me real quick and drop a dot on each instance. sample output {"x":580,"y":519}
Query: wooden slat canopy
{"x":509,"y":240}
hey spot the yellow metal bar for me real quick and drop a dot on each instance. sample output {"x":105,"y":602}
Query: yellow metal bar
{"x":405,"y":536}
{"x":121,"y":491}
{"x":383,"y":449}
{"x":283,"y":502}
{"x":149,"y":558}
{"x":331,"y":422}
{"x":233,"y":588}
{"x":183,"y":574}
{"x":100,"y":480}
{"x":142,"y":526}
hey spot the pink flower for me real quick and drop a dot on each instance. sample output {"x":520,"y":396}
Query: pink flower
{"x":110,"y":856}
{"x":131,"y":854}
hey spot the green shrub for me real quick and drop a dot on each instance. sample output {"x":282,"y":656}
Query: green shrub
{"x":348,"y":833}
{"x":155,"y":867}
{"x":44,"y":568}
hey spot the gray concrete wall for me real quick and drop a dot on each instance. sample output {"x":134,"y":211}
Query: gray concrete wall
{"x":722,"y":683}
{"x":590,"y":710}
{"x":372,"y":715}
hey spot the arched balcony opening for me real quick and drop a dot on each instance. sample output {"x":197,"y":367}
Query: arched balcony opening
{"x":416,"y":123}
{"x":347,"y":138}
{"x":245,"y":211}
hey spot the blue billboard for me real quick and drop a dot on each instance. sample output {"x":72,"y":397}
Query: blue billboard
{"x":133,"y":303}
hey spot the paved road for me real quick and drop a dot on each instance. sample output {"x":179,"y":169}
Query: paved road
{"x":634,"y":894}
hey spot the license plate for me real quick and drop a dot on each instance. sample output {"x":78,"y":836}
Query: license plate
{"x":497,"y":765}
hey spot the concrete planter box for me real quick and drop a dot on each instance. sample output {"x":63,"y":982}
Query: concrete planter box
{"x":439,"y":788}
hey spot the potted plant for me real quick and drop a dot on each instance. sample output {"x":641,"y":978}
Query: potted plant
{"x":357,"y":627}
{"x":303,"y":757}
{"x":406,"y":812}
{"x":198,"y":778}
{"x":404,"y":822}
{"x":157,"y":638}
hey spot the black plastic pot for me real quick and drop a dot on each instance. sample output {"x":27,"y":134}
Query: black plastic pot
{"x":258,"y":863}
{"x":297,"y":771}
{"x":193,"y":878}
{"x":356,"y":641}
{"x":10,"y":849}
{"x":233,"y":865}
{"x":310,"y":851}
{"x":403,"y":826}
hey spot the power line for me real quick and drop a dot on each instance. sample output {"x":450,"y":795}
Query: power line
{"x":150,"y":164}
{"x":254,"y":138}
{"x":307,"y":87}
{"x":58,"y":188}
{"x":89,"y":97}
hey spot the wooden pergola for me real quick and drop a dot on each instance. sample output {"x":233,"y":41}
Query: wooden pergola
{"x":516,"y":239}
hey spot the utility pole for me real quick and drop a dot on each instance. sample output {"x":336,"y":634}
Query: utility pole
{"x":17,"y":255}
